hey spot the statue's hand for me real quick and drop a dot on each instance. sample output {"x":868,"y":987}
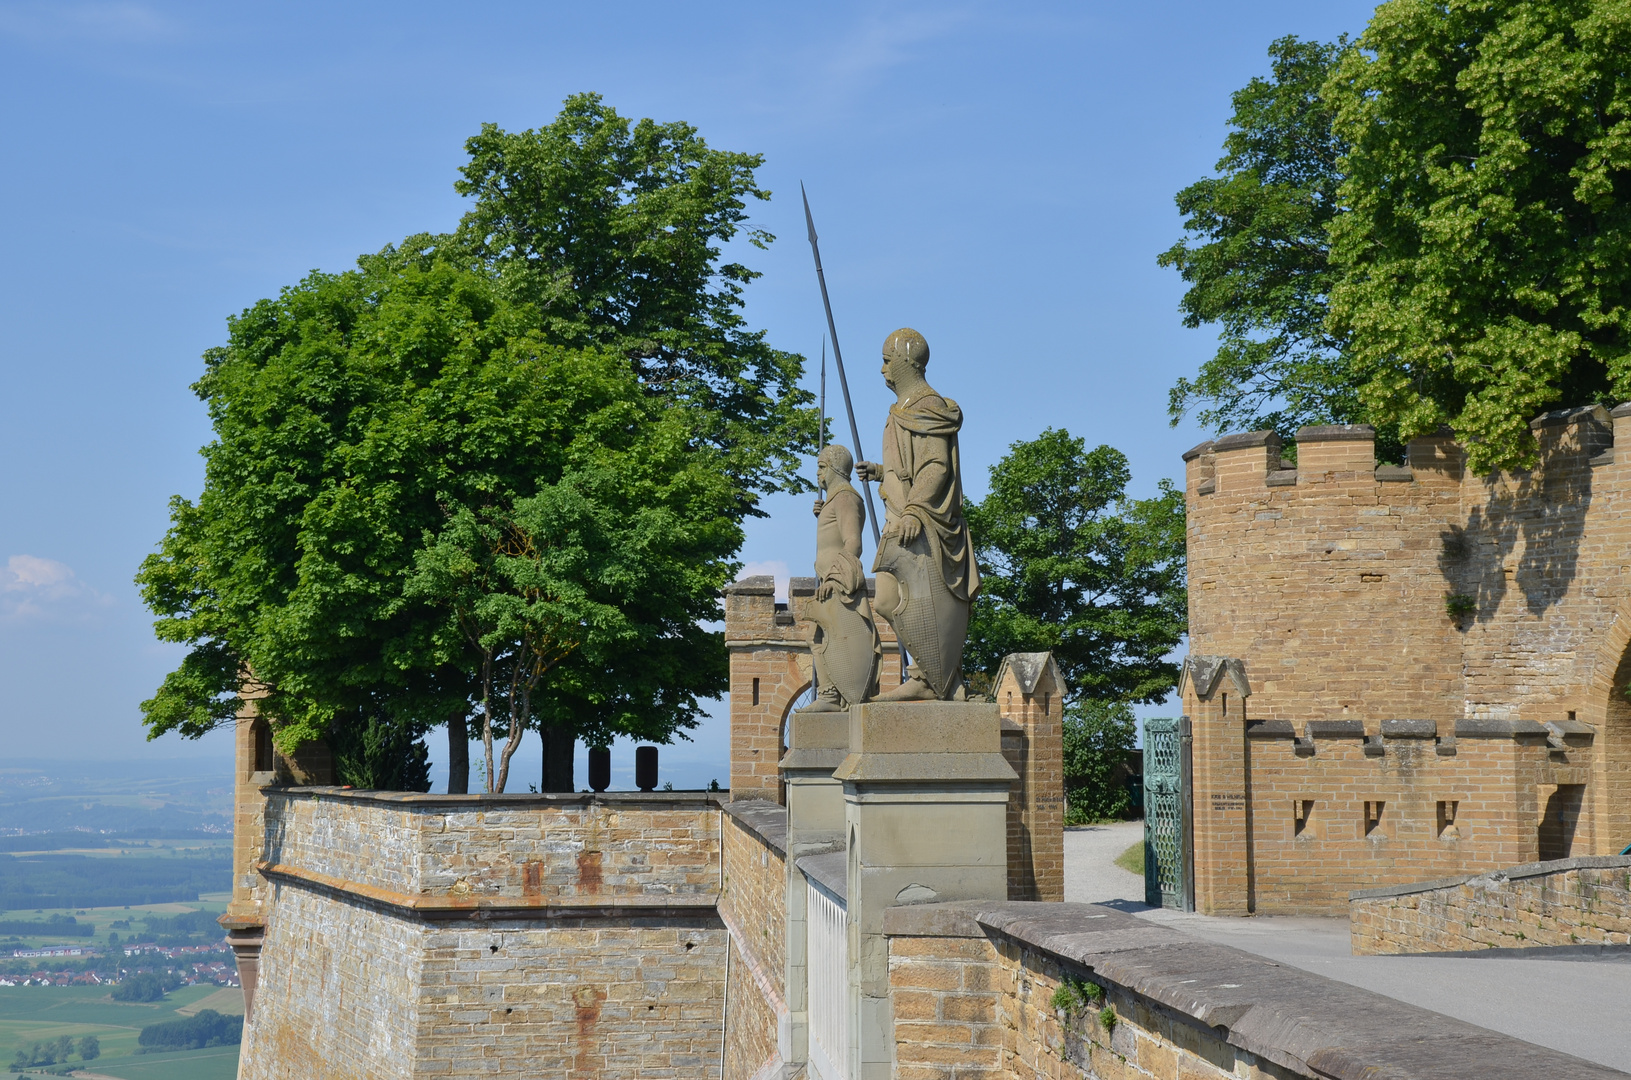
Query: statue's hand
{"x":824,"y":591}
{"x":909,"y":528}
{"x":868,"y":470}
{"x":819,"y":503}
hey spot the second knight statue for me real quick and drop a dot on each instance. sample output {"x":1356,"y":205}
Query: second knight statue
{"x":845,"y":644}
{"x":925,"y":563}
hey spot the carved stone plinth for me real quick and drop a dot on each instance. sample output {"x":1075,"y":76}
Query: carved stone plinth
{"x":925,"y":814}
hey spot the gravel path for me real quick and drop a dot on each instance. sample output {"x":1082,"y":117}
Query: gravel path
{"x":1091,"y":873}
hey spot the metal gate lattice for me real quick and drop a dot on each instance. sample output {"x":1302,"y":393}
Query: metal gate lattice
{"x":1166,"y":807}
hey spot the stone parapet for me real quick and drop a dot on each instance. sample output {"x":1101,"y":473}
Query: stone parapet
{"x":474,"y":936}
{"x":1019,"y":991}
{"x":509,"y":849}
{"x":753,"y":908}
{"x":1584,"y":901}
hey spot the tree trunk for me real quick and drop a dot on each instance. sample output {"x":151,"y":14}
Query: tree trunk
{"x":458,"y":756}
{"x":560,"y":741}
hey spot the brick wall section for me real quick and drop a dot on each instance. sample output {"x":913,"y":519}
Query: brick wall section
{"x":589,"y":999}
{"x":504,"y":846}
{"x":770,"y":668}
{"x":753,"y":898}
{"x":1582,"y":901}
{"x":1029,"y":692}
{"x":947,"y":993}
{"x":338,"y":994}
{"x":1329,"y":582}
{"x":970,"y":978}
{"x":750,"y":1023}
{"x":754,"y":908}
{"x":433,"y":937}
{"x":1309,"y":820}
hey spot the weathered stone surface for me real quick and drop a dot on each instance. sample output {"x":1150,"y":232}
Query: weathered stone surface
{"x":966,"y":976}
{"x":1581,"y":901}
{"x":1498,"y":607}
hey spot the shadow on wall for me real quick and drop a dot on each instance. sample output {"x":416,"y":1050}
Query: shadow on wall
{"x":1547,"y":510}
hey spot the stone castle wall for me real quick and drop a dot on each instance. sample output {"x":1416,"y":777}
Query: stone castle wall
{"x":447,"y":936}
{"x":1366,"y":710}
{"x":1567,"y":902}
{"x":753,"y":907}
{"x":1026,"y":991}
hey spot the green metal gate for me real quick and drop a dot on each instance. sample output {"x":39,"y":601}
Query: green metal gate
{"x":1166,"y":814}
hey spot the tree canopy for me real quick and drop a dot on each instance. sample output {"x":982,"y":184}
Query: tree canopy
{"x":1069,"y":563}
{"x":1486,"y":222}
{"x":1258,"y":258}
{"x":461,"y":477}
{"x":1428,"y":227}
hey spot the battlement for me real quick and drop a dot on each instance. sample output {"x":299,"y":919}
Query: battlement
{"x":1348,"y":591}
{"x":1345,"y":455}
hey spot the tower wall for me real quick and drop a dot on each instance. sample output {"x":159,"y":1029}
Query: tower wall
{"x":1410,"y":637}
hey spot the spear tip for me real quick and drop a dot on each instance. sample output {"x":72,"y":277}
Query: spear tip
{"x":809,"y":222}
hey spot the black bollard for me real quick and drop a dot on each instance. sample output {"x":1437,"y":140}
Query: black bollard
{"x":600,"y":768}
{"x":645,"y":768}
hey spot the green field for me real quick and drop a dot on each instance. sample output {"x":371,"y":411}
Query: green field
{"x":30,"y":1014}
{"x":103,"y":919}
{"x":213,"y":1063}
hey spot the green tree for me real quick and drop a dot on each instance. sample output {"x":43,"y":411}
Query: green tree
{"x":422,"y":403}
{"x":1098,"y":738}
{"x":611,"y":230}
{"x":1257,"y":257}
{"x":371,"y":426}
{"x":1070,"y":564}
{"x":1485,"y":229}
{"x":90,"y":1048}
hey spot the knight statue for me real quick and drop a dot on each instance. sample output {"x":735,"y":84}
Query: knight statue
{"x":844,"y":644}
{"x":925,"y":563}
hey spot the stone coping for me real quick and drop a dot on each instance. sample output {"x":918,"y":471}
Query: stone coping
{"x":1336,"y":729}
{"x":1416,"y":729}
{"x":1497,"y":729}
{"x":1198,"y":450}
{"x":1298,"y":1020}
{"x":1510,"y":873}
{"x":443,"y":907}
{"x":1409,"y":729}
{"x":1245,"y":440}
{"x":1564,"y":417}
{"x":830,"y":871}
{"x":508,"y":801}
{"x":767,"y":821}
{"x":1336,"y":433}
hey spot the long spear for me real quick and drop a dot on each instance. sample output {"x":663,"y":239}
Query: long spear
{"x":838,"y":356}
{"x":821,"y":434}
{"x":843,"y":384}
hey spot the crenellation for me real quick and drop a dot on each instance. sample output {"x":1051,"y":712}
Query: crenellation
{"x":1336,"y":594}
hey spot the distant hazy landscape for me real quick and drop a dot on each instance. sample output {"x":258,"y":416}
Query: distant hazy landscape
{"x":127,"y":864}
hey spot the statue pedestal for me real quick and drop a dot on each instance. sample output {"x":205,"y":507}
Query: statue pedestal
{"x":817,"y":743}
{"x":925,"y":815}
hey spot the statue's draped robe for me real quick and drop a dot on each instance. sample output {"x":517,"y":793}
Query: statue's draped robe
{"x":915,"y":437}
{"x":935,"y":572}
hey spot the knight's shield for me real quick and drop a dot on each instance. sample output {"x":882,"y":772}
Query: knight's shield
{"x":930,"y":622}
{"x":846,"y":647}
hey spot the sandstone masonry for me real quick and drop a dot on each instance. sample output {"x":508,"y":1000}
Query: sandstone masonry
{"x":1407,"y":672}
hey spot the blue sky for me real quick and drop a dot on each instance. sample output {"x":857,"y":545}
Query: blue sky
{"x":999,"y":176}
